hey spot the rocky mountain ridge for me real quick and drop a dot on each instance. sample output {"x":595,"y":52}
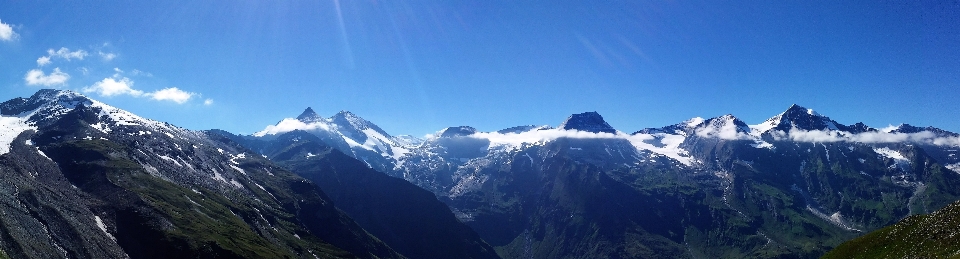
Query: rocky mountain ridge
{"x":798,"y":168}
{"x":82,"y":179}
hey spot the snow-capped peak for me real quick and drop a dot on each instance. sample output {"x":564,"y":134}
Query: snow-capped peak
{"x":695,"y":121}
{"x":48,"y":105}
{"x":345,"y":131}
{"x":347,"y":119}
{"x":907,"y":128}
{"x":796,"y":117}
{"x":309,"y":115}
{"x":458,"y":131}
{"x":726,"y":127}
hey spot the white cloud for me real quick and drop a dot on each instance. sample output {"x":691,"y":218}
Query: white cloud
{"x":65,"y":53}
{"x":6,"y":32}
{"x":107,"y":56}
{"x":814,"y":136}
{"x":43,"y":61}
{"x":111,"y":86}
{"x":117,"y":85}
{"x":37,"y":77}
{"x":291,"y":124}
{"x":827,"y":136}
{"x":137,"y":72}
{"x":208,"y":102}
{"x":726,"y":132}
{"x":172,"y":94}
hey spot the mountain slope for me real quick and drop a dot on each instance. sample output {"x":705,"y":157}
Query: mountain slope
{"x":409,"y":219}
{"x":87,"y":180}
{"x":920,"y":236}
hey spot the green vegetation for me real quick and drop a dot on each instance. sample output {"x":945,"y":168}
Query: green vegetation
{"x":183,"y":221}
{"x":935,"y":235}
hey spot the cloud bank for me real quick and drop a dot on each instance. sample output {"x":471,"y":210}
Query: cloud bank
{"x":829,"y":136}
{"x":291,"y":124}
{"x":726,"y":132}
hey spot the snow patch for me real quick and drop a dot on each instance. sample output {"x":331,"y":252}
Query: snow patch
{"x":238,"y":169}
{"x":836,"y":218}
{"x":670,"y":148}
{"x":103,"y":227}
{"x":954,"y":167}
{"x":899,"y":160}
{"x":218,"y":176}
{"x":170,"y":160}
{"x":233,"y":158}
{"x":10,"y":128}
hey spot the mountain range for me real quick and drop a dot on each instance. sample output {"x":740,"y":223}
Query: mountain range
{"x":85,"y":179}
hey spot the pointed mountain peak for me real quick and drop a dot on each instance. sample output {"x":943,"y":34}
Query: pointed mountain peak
{"x":348,"y":119}
{"x":309,"y":115}
{"x":62,"y":99}
{"x":796,"y":111}
{"x":457,"y":131}
{"x":354,"y":126}
{"x":729,"y":118}
{"x":587,"y":121}
{"x":859,"y":127}
{"x":346,"y":114}
{"x":725,"y":121}
{"x":801,"y":118}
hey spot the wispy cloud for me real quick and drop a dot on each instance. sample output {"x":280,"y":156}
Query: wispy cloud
{"x":38,"y":77}
{"x":137,"y":72}
{"x":63,"y":53}
{"x":172,"y":94}
{"x":6,"y":32}
{"x":106,"y":56}
{"x":208,"y":102}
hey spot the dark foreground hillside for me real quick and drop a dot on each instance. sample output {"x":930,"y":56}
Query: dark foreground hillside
{"x":934,"y":235}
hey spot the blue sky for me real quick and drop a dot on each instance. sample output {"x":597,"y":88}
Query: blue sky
{"x":414,"y":67}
